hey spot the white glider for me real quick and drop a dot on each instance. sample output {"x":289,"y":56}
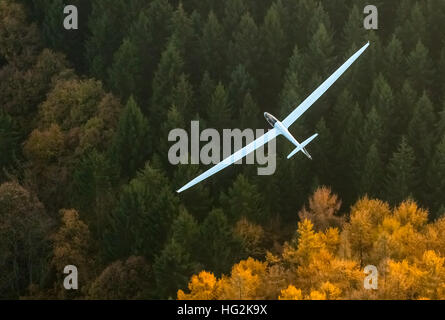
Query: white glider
{"x":280,"y":128}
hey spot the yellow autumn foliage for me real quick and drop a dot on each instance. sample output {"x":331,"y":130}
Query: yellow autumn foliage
{"x":408,"y":251}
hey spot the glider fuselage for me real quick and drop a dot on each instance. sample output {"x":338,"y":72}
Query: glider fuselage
{"x":281,"y":128}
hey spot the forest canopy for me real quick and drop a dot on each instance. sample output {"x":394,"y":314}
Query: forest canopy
{"x":85,"y":178}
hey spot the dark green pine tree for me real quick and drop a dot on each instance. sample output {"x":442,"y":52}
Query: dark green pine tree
{"x":318,"y":17}
{"x":233,"y":11}
{"x":91,"y":190}
{"x":382,"y":98}
{"x":435,"y":11}
{"x":420,"y":67}
{"x":187,"y":41}
{"x":401,"y":174}
{"x":393,"y":64}
{"x":131,"y":145}
{"x":347,"y":155}
{"x":436,"y":180}
{"x":240,"y":84}
{"x":212,"y":44}
{"x":421,"y":135}
{"x":105,"y":34}
{"x":372,"y":132}
{"x":361,"y":77}
{"x":219,"y":248}
{"x":175,"y":120}
{"x":169,"y":70}
{"x":185,"y":230}
{"x":243,"y":199}
{"x":337,"y":10}
{"x":219,"y":112}
{"x":292,"y":93}
{"x":173,"y":269}
{"x":206,"y":90}
{"x":250,"y":114}
{"x":150,"y":33}
{"x":323,"y":152}
{"x":178,"y":260}
{"x":413,"y":27}
{"x":125,"y":76}
{"x":135,"y":226}
{"x":439,"y":85}
{"x":245,"y":47}
{"x":318,"y":63}
{"x":341,"y":112}
{"x":371,"y":178}
{"x":440,"y":125}
{"x":183,"y":98}
{"x":275,"y":48}
{"x":404,"y":109}
{"x":353,"y":32}
{"x":198,"y":198}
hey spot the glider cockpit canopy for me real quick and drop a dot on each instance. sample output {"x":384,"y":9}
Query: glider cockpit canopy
{"x":270,"y":118}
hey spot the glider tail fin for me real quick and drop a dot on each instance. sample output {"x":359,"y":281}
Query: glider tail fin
{"x":302,"y":147}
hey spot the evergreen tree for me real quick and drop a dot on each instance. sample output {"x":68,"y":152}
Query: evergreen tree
{"x":275,"y":47}
{"x":149,"y":34}
{"x":323,"y":150}
{"x":436,"y":179}
{"x":353,"y":32}
{"x":219,"y":112}
{"x":186,"y":40}
{"x":105,"y":35}
{"x":206,"y":90}
{"x":243,"y":200}
{"x":93,"y":178}
{"x":136,"y":226}
{"x":245,"y":47}
{"x":400,"y":176}
{"x":183,"y":97}
{"x":219,"y":247}
{"x":249,"y":113}
{"x":292,"y":92}
{"x":347,"y":150}
{"x":212,"y":46}
{"x":382,"y":98}
{"x":172,"y":269}
{"x":372,"y":174}
{"x":241,"y":83}
{"x":420,"y":67}
{"x":413,"y":28}
{"x":131,"y":145}
{"x":318,"y":62}
{"x":198,"y":198}
{"x":440,"y":125}
{"x":233,"y":11}
{"x":420,"y":134}
{"x":165,"y":79}
{"x":373,"y":132}
{"x":393,"y":64}
{"x":124,"y":74}
{"x":403,"y":109}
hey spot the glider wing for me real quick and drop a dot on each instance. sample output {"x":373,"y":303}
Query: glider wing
{"x":306,"y":104}
{"x":265,"y":138}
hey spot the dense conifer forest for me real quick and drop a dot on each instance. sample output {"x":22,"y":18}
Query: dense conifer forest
{"x":85,"y":178}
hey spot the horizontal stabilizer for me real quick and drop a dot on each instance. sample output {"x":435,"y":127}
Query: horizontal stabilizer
{"x":301,"y":147}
